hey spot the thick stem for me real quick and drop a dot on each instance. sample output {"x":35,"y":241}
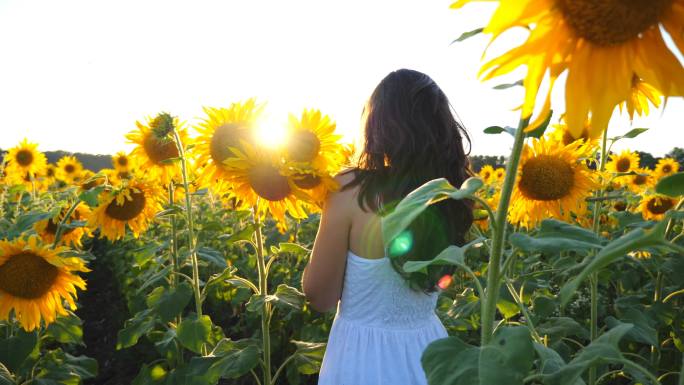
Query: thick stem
{"x":263,"y":290}
{"x":593,"y":280}
{"x":191,"y":232}
{"x":499,"y":229}
{"x":60,"y":226}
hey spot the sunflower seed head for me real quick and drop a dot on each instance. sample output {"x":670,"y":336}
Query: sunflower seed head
{"x":162,"y":126}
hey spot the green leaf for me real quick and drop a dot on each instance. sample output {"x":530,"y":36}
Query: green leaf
{"x":539,"y":131}
{"x":493,"y":130}
{"x":236,"y":363}
{"x":452,"y":255}
{"x":633,"y":133}
{"x":90,"y":196}
{"x":6,"y":378}
{"x":642,"y":331}
{"x":418,"y":200}
{"x":16,"y":349}
{"x":294,"y":248}
{"x":544,"y":306}
{"x":170,"y":302}
{"x":285,"y":297}
{"x":618,"y":248}
{"x":601,"y":351}
{"x":67,"y":330}
{"x":468,"y":35}
{"x":213,"y":256}
{"x":308,"y":356}
{"x":244,"y":234}
{"x":559,"y":327}
{"x":134,"y":328}
{"x":671,"y":185}
{"x":194,"y":332}
{"x":507,"y":359}
{"x":551,"y":362}
{"x":509,"y":85}
{"x":555,"y":236}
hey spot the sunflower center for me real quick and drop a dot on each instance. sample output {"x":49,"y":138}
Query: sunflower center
{"x":26,"y":275}
{"x":623,"y":165}
{"x":546,"y":178}
{"x":50,"y":172}
{"x":268,"y":183}
{"x":24,"y":157}
{"x":307,"y":181}
{"x":122,"y":161}
{"x":639,"y":179}
{"x":620,"y":206}
{"x":69,"y":168}
{"x":568,"y":138}
{"x":667,"y":169}
{"x":304,"y":146}
{"x":129,"y":209}
{"x":225,"y":137}
{"x":610,"y":22}
{"x":486,"y":175}
{"x":659,"y":206}
{"x":159,"y":149}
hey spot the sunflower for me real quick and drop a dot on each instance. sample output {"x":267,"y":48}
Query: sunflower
{"x":654,"y":207}
{"x":25,"y":158}
{"x":50,"y":174}
{"x":121,"y":161}
{"x":47,"y":228}
{"x":134,"y":203}
{"x":552,"y":182}
{"x":312,"y":140}
{"x":481,"y":217}
{"x":259,"y":176}
{"x":665,"y":167}
{"x":639,"y":98}
{"x":626,"y":161}
{"x":69,"y":169}
{"x":601,"y":44}
{"x":316,"y":183}
{"x":561,"y":133}
{"x":35,"y":281}
{"x":223,"y":129}
{"x":640,"y":181}
{"x":487,"y":174}
{"x":156,"y":147}
{"x":499,"y":174}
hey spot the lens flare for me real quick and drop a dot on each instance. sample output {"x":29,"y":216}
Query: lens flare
{"x":402,"y":244}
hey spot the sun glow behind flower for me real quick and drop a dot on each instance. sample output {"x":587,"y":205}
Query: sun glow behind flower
{"x":271,"y":131}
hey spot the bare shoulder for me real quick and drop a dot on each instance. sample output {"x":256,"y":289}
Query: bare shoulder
{"x":345,"y":197}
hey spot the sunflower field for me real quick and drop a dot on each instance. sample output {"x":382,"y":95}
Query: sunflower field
{"x":184,"y":259}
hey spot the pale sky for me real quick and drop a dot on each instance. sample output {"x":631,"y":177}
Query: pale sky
{"x":76,"y":75}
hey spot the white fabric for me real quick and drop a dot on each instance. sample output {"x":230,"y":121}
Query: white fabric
{"x":381,"y":328}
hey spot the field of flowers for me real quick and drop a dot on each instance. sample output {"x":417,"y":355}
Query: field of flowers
{"x":572,"y":274}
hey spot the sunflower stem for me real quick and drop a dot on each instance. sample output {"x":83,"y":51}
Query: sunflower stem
{"x":62,"y":222}
{"x":593,"y":278}
{"x":263,"y":291}
{"x":174,"y":239}
{"x":191,"y":226}
{"x":499,"y":229}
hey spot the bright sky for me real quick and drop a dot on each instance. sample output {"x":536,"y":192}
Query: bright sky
{"x":76,"y":75}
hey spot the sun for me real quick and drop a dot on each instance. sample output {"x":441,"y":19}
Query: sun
{"x":35,"y":281}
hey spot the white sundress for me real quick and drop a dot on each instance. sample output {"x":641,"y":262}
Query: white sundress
{"x":381,"y":328}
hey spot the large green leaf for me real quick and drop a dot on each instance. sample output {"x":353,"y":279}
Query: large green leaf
{"x":452,"y":255}
{"x":6,"y":378}
{"x":418,"y":200}
{"x":601,"y":351}
{"x":170,"y":302}
{"x":643,"y":330}
{"x":618,"y":248}
{"x":672,"y":185}
{"x":551,"y":362}
{"x":285,"y":297}
{"x":66,"y":330}
{"x":236,"y":363}
{"x":308,"y":356}
{"x":194,"y":332}
{"x":14,"y":350}
{"x":134,"y":328}
{"x":507,"y":359}
{"x":555,"y":236}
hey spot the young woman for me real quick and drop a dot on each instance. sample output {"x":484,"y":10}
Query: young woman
{"x":386,"y":319}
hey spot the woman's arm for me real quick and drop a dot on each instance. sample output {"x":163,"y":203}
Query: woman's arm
{"x":324,"y":275}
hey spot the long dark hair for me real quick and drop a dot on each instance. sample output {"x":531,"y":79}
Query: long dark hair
{"x":411,"y":137}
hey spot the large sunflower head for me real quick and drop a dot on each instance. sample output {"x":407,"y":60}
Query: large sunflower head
{"x":602,"y":45}
{"x":69,"y":169}
{"x":223,"y":129}
{"x":654,"y":206}
{"x":665,"y":167}
{"x":312,"y":140}
{"x":316,"y":183}
{"x":156,"y":146}
{"x":626,"y":161}
{"x":259,"y":178}
{"x":25,"y":158}
{"x":47,"y":229}
{"x":35,"y":281}
{"x":552,"y":182}
{"x":133,"y":204}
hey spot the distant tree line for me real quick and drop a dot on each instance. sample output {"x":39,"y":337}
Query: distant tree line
{"x":97,"y":162}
